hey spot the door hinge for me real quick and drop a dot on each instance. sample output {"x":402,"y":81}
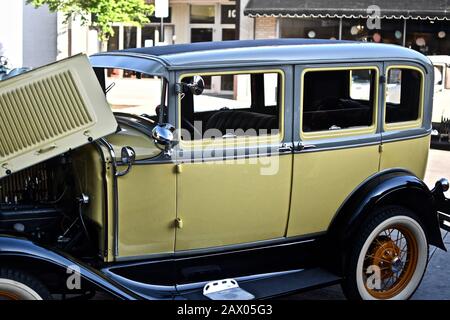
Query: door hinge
{"x":179,"y":168}
{"x":179,"y":223}
{"x":380,"y":148}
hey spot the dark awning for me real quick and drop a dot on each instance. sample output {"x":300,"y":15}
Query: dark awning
{"x":410,"y":9}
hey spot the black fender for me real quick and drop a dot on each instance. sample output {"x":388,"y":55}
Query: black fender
{"x":390,"y":187}
{"x":30,"y":254}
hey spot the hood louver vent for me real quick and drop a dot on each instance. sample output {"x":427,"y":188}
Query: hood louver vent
{"x":50,"y":110}
{"x":58,"y":112}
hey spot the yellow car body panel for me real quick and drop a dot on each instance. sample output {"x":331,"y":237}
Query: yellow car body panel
{"x":146,"y":210}
{"x":226,"y":202}
{"x":88,"y":167}
{"x":411,"y":154}
{"x":143,"y":145}
{"x":322,"y":181}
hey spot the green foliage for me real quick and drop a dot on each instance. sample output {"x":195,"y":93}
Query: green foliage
{"x":102,"y":12}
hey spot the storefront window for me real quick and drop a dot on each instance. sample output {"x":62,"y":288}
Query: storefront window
{"x":391,"y":31}
{"x":113,"y":41}
{"x":202,"y":14}
{"x":201,"y":34}
{"x":228,"y":34}
{"x":148,"y":36}
{"x":309,"y":28}
{"x":428,"y":37}
{"x":129,"y":34}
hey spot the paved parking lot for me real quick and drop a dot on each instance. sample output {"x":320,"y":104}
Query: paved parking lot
{"x":436,"y":282}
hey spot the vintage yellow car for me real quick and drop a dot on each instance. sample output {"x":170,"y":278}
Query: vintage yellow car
{"x":232,"y":170}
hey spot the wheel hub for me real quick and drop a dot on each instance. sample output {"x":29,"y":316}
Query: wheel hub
{"x":386,"y":256}
{"x":397,"y":265}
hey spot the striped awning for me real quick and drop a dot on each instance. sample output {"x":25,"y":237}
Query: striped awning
{"x":388,"y":9}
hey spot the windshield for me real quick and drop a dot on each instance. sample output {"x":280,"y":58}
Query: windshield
{"x":133,"y":92}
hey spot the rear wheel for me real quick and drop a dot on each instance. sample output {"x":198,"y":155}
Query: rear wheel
{"x":18,"y":285}
{"x":389,"y":257}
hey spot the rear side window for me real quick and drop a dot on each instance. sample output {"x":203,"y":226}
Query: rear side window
{"x":338,"y":99}
{"x":403,"y":95}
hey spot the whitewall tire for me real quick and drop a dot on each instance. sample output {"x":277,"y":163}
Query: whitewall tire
{"x":18,"y":285}
{"x":389,"y":256}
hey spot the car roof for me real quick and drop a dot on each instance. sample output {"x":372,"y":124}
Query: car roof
{"x":270,"y":51}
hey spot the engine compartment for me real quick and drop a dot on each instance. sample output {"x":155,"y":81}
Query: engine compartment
{"x":44,"y":203}
{"x":65,"y":202}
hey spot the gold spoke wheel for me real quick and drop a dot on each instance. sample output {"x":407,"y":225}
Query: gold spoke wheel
{"x":395,"y":252}
{"x":8,"y":296}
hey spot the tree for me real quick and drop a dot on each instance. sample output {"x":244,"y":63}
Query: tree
{"x":101,"y":13}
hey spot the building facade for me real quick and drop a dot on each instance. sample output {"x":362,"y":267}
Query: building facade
{"x":33,"y":37}
{"x":28,"y":36}
{"x":188,"y":21}
{"x":422,"y":25}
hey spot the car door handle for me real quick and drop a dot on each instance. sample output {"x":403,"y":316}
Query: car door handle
{"x":229,"y":136}
{"x":302,"y":147}
{"x":284,"y":148}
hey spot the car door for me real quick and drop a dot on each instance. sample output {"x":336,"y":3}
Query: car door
{"x":338,"y":138}
{"x":235,"y":189}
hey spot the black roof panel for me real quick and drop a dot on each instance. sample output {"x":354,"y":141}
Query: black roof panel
{"x":258,"y":52}
{"x":209,"y":46}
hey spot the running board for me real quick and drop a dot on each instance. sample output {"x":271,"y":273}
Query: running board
{"x":278,"y":284}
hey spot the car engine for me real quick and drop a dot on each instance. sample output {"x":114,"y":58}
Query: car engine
{"x":38,"y":202}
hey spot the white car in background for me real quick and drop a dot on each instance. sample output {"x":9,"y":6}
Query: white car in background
{"x":441,"y":101}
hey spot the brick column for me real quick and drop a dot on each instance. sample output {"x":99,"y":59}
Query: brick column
{"x":266,"y":28}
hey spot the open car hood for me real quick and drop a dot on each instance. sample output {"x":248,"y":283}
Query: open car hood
{"x":50,"y":110}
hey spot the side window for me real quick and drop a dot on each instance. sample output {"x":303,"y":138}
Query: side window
{"x":338,"y":99}
{"x":251,"y":107}
{"x":403,"y":95}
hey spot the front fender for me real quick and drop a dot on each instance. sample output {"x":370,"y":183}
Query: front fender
{"x":19,"y":248}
